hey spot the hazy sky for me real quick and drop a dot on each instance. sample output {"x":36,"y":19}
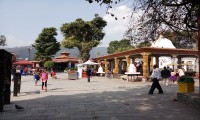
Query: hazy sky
{"x":21,"y":21}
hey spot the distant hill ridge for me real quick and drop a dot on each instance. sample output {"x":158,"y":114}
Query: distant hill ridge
{"x":23,"y":52}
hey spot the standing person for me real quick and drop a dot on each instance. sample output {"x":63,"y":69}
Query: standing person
{"x":165,"y":74}
{"x":51,"y":71}
{"x":25,"y":71}
{"x":13,"y":72}
{"x":88,"y":73}
{"x":44,"y":77}
{"x":36,"y":75}
{"x":92,"y":71}
{"x":155,"y":76}
{"x":180,"y":72}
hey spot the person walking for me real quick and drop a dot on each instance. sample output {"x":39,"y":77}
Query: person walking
{"x":88,"y":73}
{"x":36,"y":75}
{"x":155,"y":76}
{"x":165,"y":74}
{"x":44,"y":77}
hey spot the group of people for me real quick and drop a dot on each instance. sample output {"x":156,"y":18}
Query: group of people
{"x":89,"y":73}
{"x":41,"y":75}
{"x":37,"y":74}
{"x":156,"y":75}
{"x":165,"y":75}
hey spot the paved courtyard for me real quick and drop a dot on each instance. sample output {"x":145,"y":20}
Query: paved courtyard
{"x":101,"y":99}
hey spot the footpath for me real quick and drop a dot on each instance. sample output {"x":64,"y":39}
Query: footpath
{"x":101,"y":99}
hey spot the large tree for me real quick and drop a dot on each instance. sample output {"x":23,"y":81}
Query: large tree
{"x":143,"y":44}
{"x":181,"y":40}
{"x":158,"y":15}
{"x":46,"y":44}
{"x":119,"y":46}
{"x":2,"y":40}
{"x":83,"y":34}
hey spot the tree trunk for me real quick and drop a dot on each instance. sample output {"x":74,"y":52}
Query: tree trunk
{"x":198,"y":20}
{"x":85,"y":56}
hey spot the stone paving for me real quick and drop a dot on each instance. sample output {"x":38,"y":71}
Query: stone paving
{"x":101,"y":99}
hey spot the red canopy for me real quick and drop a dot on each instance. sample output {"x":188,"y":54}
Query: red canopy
{"x":23,"y":62}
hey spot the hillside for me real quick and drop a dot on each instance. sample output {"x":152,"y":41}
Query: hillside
{"x":23,"y":52}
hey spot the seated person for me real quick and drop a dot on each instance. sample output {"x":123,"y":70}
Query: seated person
{"x":109,"y":74}
{"x":53,"y":74}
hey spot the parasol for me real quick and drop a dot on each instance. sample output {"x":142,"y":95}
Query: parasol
{"x":89,"y":62}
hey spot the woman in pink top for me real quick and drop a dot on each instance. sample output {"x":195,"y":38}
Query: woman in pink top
{"x":44,"y":77}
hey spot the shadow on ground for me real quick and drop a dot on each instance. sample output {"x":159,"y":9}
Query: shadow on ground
{"x":122,"y":103}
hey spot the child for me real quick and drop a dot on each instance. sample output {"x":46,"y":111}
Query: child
{"x":44,"y":77}
{"x":36,"y":76}
{"x":53,"y":75}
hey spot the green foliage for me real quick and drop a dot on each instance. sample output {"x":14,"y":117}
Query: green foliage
{"x":119,"y":46}
{"x":185,"y":79}
{"x":71,"y":69}
{"x":83,"y":34}
{"x":113,"y":45}
{"x":181,"y":39}
{"x":2,"y":40}
{"x":181,"y":17}
{"x":48,"y":64}
{"x":46,"y":44}
{"x":144,"y":44}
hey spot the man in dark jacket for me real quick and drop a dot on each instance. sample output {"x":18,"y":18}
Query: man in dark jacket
{"x":165,"y":74}
{"x":88,"y":73}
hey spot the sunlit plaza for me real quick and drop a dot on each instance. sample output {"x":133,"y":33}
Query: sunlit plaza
{"x":102,"y":99}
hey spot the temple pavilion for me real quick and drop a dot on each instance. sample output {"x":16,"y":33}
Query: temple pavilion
{"x":64,"y":61}
{"x":162,"y":47}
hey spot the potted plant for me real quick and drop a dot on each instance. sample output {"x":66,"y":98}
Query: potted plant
{"x":185,"y":84}
{"x":72,"y":73}
{"x":66,"y":69}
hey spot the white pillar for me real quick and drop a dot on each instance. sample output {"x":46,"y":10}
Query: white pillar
{"x":80,"y":70}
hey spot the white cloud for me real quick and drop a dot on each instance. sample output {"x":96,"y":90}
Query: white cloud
{"x":13,"y":41}
{"x":115,"y":29}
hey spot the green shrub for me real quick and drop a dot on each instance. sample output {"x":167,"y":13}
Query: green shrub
{"x":185,"y":79}
{"x":73,"y":68}
{"x":48,"y":64}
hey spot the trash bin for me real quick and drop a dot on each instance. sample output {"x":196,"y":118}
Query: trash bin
{"x":185,"y":84}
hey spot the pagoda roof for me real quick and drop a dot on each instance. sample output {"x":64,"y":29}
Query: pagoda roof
{"x":64,"y":57}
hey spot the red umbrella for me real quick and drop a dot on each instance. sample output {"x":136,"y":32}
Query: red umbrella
{"x":23,"y":62}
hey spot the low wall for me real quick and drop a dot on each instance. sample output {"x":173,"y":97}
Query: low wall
{"x":192,"y":99}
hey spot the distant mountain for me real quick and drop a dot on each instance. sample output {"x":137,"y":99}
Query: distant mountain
{"x":23,"y":52}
